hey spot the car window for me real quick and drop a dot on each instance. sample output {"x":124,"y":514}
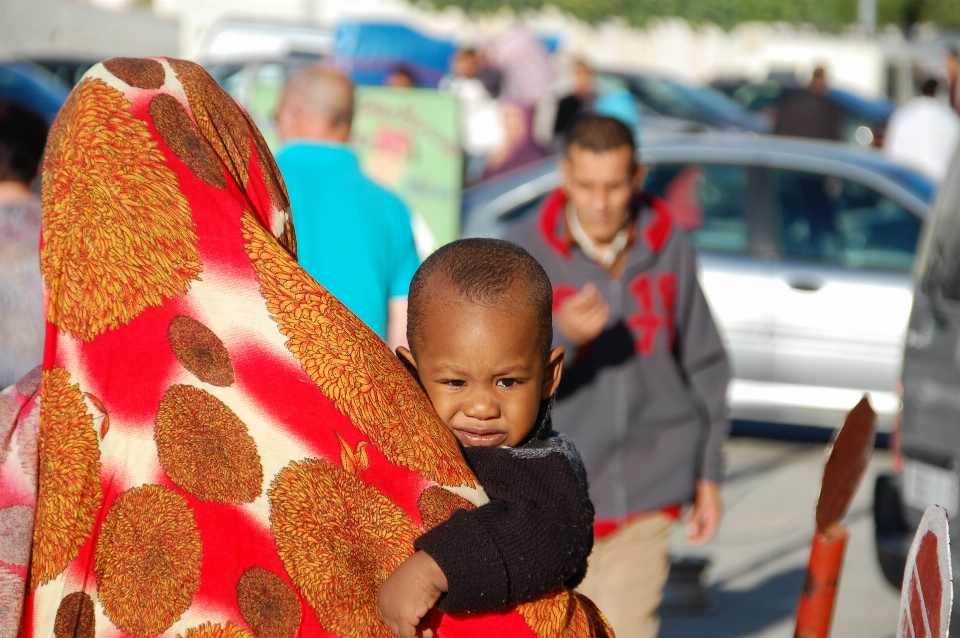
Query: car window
{"x":529,"y":207}
{"x":833,"y":220}
{"x":707,"y":200}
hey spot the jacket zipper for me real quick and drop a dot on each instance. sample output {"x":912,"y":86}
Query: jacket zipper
{"x":620,"y":415}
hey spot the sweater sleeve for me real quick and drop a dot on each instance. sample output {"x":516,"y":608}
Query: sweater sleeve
{"x":704,"y":362}
{"x":533,"y":536}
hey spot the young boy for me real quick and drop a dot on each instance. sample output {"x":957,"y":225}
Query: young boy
{"x":480,"y":327}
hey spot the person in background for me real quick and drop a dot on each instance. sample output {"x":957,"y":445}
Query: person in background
{"x":490,"y":75}
{"x":401,"y":78}
{"x":23,"y":135}
{"x":578,"y":101}
{"x":645,"y":374}
{"x":810,"y":113}
{"x":923,"y":133}
{"x":518,"y":148}
{"x":481,"y":128}
{"x":952,"y":60}
{"x":354,"y":236}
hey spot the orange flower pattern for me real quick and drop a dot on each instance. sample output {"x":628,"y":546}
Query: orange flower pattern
{"x":114,"y":241}
{"x":142,"y":73}
{"x":565,"y":614}
{"x":170,"y":525}
{"x":268,"y":604}
{"x":69,"y":477}
{"x":205,"y":448}
{"x":276,"y":189}
{"x":209,"y":630}
{"x":147,"y":560}
{"x":352,"y":366}
{"x":339,"y":539}
{"x":75,"y":617}
{"x":200,"y":351}
{"x":218,"y":117}
{"x":181,"y":135}
{"x":437,"y":505}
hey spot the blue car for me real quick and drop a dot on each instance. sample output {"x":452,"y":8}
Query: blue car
{"x":33,"y":87}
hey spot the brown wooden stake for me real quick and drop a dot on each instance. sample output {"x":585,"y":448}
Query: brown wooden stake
{"x":847,"y":460}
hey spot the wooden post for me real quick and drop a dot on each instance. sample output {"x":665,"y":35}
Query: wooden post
{"x":848,"y":456}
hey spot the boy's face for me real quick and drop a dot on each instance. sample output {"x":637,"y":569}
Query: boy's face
{"x":483,"y":368}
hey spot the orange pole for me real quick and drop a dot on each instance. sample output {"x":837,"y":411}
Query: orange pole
{"x":815,"y":611}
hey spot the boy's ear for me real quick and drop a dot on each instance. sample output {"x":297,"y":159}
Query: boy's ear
{"x":552,"y":372}
{"x":406,"y":358}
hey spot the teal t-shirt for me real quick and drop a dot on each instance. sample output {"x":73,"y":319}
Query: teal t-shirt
{"x":353,"y":235}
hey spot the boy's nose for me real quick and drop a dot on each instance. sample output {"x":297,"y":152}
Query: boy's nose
{"x":481,"y":406}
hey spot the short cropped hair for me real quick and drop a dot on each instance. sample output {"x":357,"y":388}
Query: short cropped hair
{"x":323,"y":91}
{"x":599,"y":133}
{"x":482,"y":271}
{"x":23,"y":136}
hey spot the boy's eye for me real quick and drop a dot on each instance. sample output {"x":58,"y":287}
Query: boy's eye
{"x":454,"y":383}
{"x":508,"y":383}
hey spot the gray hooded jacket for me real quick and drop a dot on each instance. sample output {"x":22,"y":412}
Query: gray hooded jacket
{"x":644,"y":402}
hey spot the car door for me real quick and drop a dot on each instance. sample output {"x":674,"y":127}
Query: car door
{"x":931,"y":363}
{"x":842,"y":291}
{"x":719,"y":206}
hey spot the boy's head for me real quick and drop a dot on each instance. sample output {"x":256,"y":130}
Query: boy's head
{"x":480,"y":327}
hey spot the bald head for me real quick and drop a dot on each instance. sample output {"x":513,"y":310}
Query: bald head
{"x":317,"y":104}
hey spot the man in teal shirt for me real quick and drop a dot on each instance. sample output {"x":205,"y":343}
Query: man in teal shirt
{"x":353,"y":236}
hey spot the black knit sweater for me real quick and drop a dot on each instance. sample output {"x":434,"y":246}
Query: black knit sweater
{"x":534,"y":535}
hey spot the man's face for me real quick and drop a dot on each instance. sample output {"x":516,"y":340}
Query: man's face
{"x":465,"y":65}
{"x":600,"y":186}
{"x":583,"y":79}
{"x":483,"y":368}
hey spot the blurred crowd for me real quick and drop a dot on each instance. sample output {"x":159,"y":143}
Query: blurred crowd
{"x":924,"y":132}
{"x":518,"y":101}
{"x":515,"y":105}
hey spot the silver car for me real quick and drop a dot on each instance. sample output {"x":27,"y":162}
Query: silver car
{"x":926,"y":458}
{"x":805,"y":254}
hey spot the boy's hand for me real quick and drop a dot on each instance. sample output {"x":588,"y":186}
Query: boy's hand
{"x":583,"y":316}
{"x":407,"y":596}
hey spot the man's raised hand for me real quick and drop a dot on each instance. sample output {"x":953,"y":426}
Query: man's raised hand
{"x":583,"y":316}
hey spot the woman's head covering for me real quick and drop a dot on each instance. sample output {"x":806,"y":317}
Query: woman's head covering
{"x":224,"y":449}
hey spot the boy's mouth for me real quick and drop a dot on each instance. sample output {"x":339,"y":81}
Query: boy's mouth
{"x":481,"y":438}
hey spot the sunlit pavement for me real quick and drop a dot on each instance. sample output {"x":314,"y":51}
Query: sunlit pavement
{"x":759,"y":556}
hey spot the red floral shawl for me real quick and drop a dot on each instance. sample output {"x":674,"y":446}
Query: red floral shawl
{"x":224,"y":449}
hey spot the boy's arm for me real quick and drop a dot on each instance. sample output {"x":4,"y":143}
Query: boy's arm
{"x":533,"y":536}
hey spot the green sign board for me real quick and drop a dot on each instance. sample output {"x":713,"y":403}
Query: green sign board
{"x":408,"y":140}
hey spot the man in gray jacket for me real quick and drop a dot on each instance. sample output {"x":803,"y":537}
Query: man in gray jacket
{"x":643,"y":391}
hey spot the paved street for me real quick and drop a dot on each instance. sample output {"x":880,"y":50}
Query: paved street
{"x":761,"y":551}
